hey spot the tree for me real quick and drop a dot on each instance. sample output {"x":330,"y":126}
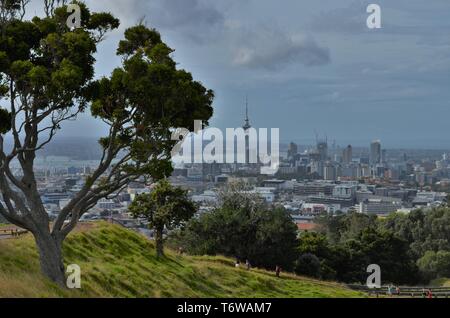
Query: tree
{"x":385,"y":249}
{"x":308,"y":265}
{"x":243,"y":226}
{"x":435,"y":264}
{"x":166,"y":206}
{"x":343,"y":227}
{"x":46,"y":76}
{"x":314,"y":243}
{"x":347,"y":260}
{"x":424,"y":231}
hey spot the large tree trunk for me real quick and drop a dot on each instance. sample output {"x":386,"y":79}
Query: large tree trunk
{"x":159,"y":242}
{"x":50,"y":257}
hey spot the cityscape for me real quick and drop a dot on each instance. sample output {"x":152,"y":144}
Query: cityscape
{"x":122,"y":179}
{"x":311,"y":180}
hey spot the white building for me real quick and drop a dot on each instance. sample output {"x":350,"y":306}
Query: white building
{"x":379,"y":206}
{"x":344,"y":191}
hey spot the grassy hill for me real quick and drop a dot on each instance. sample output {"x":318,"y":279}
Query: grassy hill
{"x":116,"y":262}
{"x":441,"y":282}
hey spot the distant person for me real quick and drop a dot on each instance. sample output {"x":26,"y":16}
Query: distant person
{"x":397,"y":291}
{"x":389,"y":291}
{"x":429,"y":294}
{"x":278,"y":271}
{"x":424,"y":293}
{"x":237,"y":264}
{"x":248,"y":265}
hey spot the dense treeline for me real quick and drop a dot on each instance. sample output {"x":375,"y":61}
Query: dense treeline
{"x":428,"y":236}
{"x":409,"y":248}
{"x":348,"y":260}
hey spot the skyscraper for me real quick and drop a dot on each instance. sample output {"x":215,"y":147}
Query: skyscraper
{"x":383,"y":156}
{"x":375,"y":152}
{"x":322,"y":149}
{"x":293,"y":150}
{"x":347,"y":155}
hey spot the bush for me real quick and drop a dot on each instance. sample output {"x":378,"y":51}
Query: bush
{"x":308,"y":265}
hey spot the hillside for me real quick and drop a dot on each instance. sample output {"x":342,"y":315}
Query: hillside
{"x":441,"y":282}
{"x":116,"y":262}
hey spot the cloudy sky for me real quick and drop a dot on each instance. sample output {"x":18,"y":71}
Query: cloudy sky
{"x":307,"y":65}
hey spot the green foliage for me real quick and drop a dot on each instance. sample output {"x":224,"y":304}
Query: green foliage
{"x":243,"y":228}
{"x":424,"y":231}
{"x":152,"y":97}
{"x":308,"y":265}
{"x":347,"y":260}
{"x":46,"y":63}
{"x":395,"y":243}
{"x":5,"y":121}
{"x":388,"y":251}
{"x":102,"y":21}
{"x":165,"y":206}
{"x":343,"y":227}
{"x":435,"y":264}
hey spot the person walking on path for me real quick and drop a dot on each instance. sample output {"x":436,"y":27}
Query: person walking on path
{"x":389,"y":291}
{"x":278,"y":271}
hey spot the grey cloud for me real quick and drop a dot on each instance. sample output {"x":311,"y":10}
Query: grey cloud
{"x":271,"y":49}
{"x":348,"y":19}
{"x":400,"y":17}
{"x":174,"y":14}
{"x":196,"y":20}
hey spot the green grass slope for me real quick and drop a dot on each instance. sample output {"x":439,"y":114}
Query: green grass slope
{"x":116,"y":262}
{"x":441,"y":282}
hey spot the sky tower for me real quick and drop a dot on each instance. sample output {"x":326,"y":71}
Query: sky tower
{"x":246,"y":127}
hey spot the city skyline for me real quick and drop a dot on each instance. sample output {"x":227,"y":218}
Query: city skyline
{"x":332,"y":74}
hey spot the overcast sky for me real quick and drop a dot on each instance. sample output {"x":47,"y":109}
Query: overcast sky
{"x":306,"y":65}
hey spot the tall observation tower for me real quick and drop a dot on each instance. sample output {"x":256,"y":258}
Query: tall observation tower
{"x":246,"y":127}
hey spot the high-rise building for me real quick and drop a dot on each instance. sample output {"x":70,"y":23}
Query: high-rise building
{"x":383,"y":156}
{"x":322,"y":149}
{"x":375,"y":152}
{"x":293,"y":150}
{"x":347,"y":155}
{"x":329,"y":172}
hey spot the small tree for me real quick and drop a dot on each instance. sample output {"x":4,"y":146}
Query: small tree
{"x":166,"y":206}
